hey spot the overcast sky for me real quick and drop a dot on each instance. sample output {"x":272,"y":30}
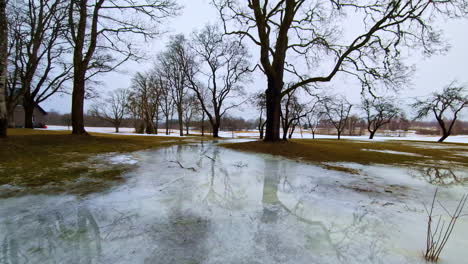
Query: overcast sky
{"x":431,"y":73}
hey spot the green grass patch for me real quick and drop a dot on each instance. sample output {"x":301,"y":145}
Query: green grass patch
{"x":47,"y":159}
{"x":322,"y":151}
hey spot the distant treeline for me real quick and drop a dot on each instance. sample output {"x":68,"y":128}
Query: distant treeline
{"x":356,"y":126}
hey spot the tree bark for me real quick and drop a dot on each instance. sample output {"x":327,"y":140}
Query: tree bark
{"x":273,"y":109}
{"x":78,"y":96}
{"x":3,"y":68}
{"x":215,"y":130}
{"x":28,"y":106}
{"x":372,"y":133}
{"x":339,"y":134}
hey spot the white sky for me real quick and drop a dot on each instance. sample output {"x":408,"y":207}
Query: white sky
{"x":431,"y":73}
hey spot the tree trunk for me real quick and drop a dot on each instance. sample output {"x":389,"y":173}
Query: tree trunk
{"x":444,"y":136}
{"x":3,"y":68}
{"x":78,"y":95}
{"x":285,"y":132}
{"x":186,"y":128}
{"x":291,"y":132}
{"x":28,"y":106}
{"x":167,"y":124}
{"x":181,"y":121}
{"x":313,"y":134}
{"x":215,"y":128}
{"x":28,"y":115}
{"x":372,"y":133}
{"x":203,"y":124}
{"x":273,"y":109}
{"x":116,"y":129}
{"x":339,"y":134}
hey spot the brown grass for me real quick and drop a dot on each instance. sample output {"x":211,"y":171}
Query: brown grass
{"x":329,"y":150}
{"x":36,"y":158}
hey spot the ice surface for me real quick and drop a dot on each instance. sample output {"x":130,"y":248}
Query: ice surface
{"x":200,"y":203}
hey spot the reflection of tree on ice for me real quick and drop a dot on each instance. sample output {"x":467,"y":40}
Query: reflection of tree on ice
{"x":314,"y":236}
{"x":227,"y":197}
{"x":54,"y":239}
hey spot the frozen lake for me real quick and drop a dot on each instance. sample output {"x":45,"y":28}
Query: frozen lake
{"x":200,"y":203}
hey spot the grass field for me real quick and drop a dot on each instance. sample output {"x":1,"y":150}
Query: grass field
{"x":325,"y":151}
{"x":36,"y":158}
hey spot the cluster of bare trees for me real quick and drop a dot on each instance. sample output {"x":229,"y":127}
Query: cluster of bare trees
{"x":373,"y":113}
{"x":199,"y":77}
{"x":309,"y":33}
{"x":52,"y":44}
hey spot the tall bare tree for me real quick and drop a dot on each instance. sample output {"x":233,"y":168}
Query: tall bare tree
{"x":146,"y":95}
{"x":258,"y":100}
{"x":379,"y":111}
{"x":291,"y":113}
{"x":174,"y":62}
{"x":445,"y":105}
{"x":300,"y":41}
{"x":3,"y":68}
{"x":166,"y":101}
{"x":113,"y":108}
{"x":225,"y":66}
{"x":100,"y":34}
{"x":337,"y":110}
{"x":314,"y":116}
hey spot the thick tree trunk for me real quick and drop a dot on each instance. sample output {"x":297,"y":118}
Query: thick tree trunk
{"x":28,"y":115}
{"x":28,"y":106}
{"x":313,"y":134}
{"x":116,"y":129}
{"x":78,"y":96}
{"x":3,"y":68}
{"x":339,"y":134}
{"x":215,"y":130}
{"x":273,"y":109}
{"x":372,"y":133}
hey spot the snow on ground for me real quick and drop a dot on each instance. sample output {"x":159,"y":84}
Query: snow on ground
{"x":393,"y":152}
{"x":254,"y":134}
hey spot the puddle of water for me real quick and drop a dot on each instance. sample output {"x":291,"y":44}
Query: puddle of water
{"x":200,"y":203}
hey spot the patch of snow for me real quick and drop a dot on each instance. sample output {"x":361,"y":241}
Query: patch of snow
{"x":394,"y":152}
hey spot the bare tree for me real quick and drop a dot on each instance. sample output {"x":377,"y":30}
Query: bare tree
{"x":445,"y":105}
{"x":225,"y":67}
{"x":308,"y":33}
{"x":146,"y":96}
{"x":112,"y":109}
{"x":291,"y":113}
{"x":39,"y":52}
{"x":258,"y":100}
{"x":314,"y":116}
{"x":100,"y":32}
{"x":3,"y":68}
{"x":337,"y":110}
{"x":191,"y":105}
{"x":174,"y":62}
{"x":166,"y":102}
{"x":379,"y":111}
